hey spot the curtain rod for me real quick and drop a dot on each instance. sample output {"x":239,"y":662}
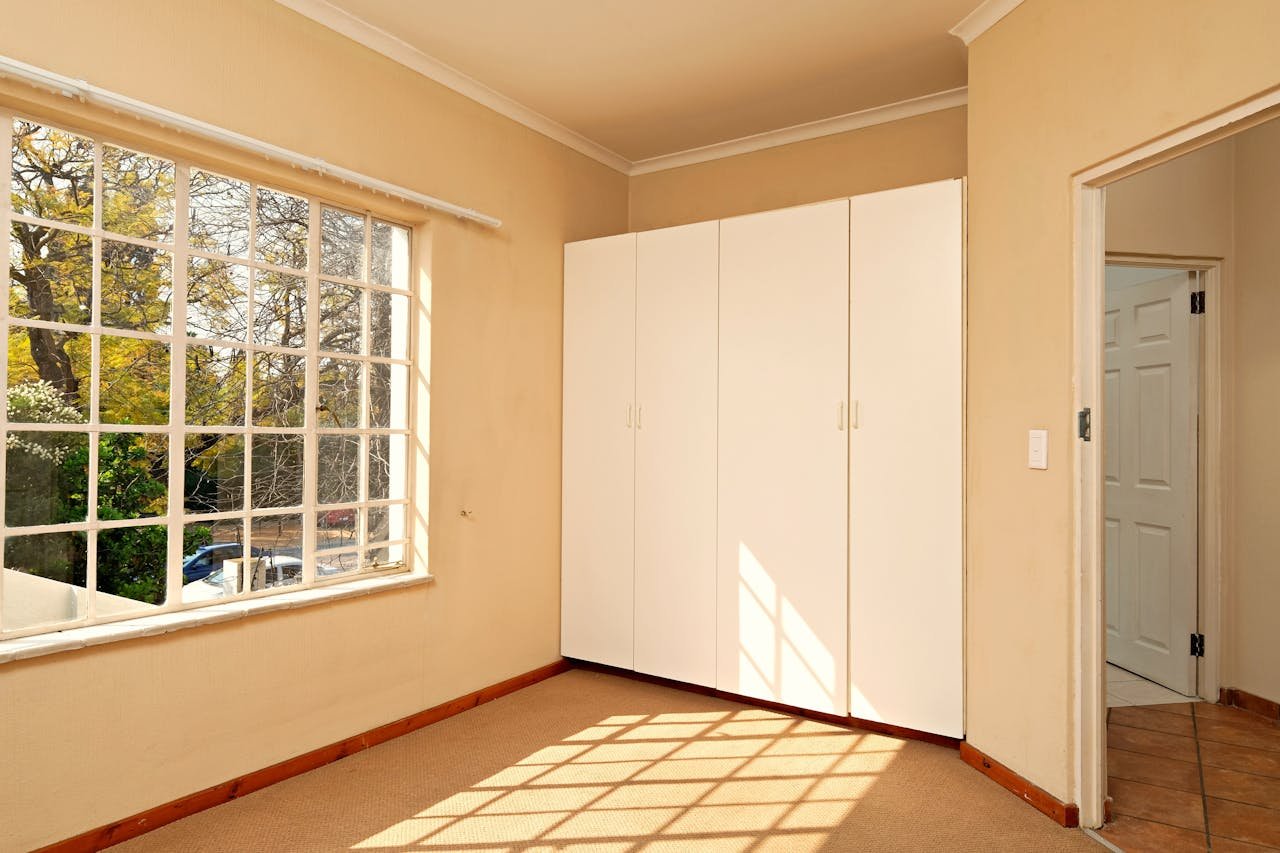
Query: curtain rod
{"x":83,"y":91}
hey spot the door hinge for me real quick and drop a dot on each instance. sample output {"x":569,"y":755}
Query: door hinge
{"x":1197,"y":645}
{"x":1197,"y":302}
{"x":1084,"y":424}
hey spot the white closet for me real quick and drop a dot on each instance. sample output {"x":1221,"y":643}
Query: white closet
{"x":598,"y":492}
{"x":784,"y":350}
{"x":762,"y":455}
{"x":639,"y":530}
{"x":906,"y":582}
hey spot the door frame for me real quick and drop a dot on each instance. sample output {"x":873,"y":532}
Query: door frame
{"x":1088,"y":188}
{"x":1207,"y":359}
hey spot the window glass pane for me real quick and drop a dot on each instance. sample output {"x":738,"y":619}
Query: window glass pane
{"x":277,"y":470}
{"x":214,"y":475}
{"x":137,"y":287}
{"x":338,"y":474}
{"x":340,"y":317}
{"x":388,"y":324}
{"x":131,"y":569}
{"x":279,"y":389}
{"x":341,"y":243}
{"x":137,"y":194}
{"x":33,"y":400}
{"x":219,"y":214}
{"x":207,"y":546}
{"x":277,"y":542}
{"x":46,"y":583}
{"x":133,"y":476}
{"x":50,"y":275}
{"x":388,"y":467}
{"x":390,"y":249}
{"x":331,"y":564}
{"x":386,"y":524}
{"x":52,"y":173}
{"x":280,"y":309}
{"x":217,"y":299}
{"x":134,"y":381}
{"x":339,"y":404}
{"x":384,"y":557}
{"x":388,"y":396}
{"x":337,"y":528}
{"x":284,"y":222}
{"x":46,"y":477}
{"x":215,"y":386}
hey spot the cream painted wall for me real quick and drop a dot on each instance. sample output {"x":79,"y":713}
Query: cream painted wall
{"x":1253,"y":593}
{"x":91,"y":736}
{"x":1055,"y":86}
{"x":915,"y":150}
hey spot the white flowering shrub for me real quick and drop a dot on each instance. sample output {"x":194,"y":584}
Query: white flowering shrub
{"x":42,"y":403}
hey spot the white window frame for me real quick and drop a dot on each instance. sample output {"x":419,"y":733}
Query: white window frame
{"x":176,"y":519}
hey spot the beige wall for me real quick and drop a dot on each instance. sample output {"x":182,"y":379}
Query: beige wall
{"x":1054,"y":88}
{"x":916,"y":150}
{"x":91,"y":736}
{"x":1252,"y":599}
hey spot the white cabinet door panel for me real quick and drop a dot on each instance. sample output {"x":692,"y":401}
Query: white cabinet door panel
{"x":906,"y":580}
{"x":599,"y":450}
{"x":675,"y":549}
{"x":783,"y":457}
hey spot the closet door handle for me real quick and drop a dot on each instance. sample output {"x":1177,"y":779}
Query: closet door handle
{"x":853,"y":414}
{"x":639,"y":417}
{"x":840,"y":417}
{"x":629,"y":415}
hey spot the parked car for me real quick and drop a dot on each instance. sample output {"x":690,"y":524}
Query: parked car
{"x":269,"y":571}
{"x":207,"y":558}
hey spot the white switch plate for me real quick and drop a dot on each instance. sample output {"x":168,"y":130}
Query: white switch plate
{"x":1038,"y":449}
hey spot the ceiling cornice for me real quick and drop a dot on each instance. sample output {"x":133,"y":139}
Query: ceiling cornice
{"x":809,"y":130}
{"x":344,"y":23}
{"x":982,"y":19}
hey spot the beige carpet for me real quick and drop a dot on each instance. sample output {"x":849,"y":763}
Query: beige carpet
{"x":586,"y":761}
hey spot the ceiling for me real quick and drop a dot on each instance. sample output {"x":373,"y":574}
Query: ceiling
{"x":652,"y":78}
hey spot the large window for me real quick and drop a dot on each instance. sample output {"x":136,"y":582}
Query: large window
{"x":207,"y":385}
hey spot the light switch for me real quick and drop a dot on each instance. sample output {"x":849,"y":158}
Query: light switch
{"x":1038,"y":449}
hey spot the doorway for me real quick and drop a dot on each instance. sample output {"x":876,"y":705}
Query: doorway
{"x":1152,"y":375}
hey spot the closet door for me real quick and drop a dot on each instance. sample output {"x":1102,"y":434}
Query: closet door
{"x":783,"y":457}
{"x":675,"y":550}
{"x":906,"y":490}
{"x":599,"y":450}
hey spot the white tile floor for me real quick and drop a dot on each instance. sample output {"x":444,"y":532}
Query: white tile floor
{"x":1125,"y":688}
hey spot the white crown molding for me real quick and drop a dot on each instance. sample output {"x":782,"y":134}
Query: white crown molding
{"x":982,"y":19}
{"x":344,"y":23}
{"x":809,"y":130}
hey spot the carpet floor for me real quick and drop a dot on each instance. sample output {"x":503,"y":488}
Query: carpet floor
{"x":587,"y":761}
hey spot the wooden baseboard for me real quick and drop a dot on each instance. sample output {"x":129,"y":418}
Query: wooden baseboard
{"x":1249,"y":702}
{"x":833,"y":719}
{"x":131,"y":827}
{"x":1067,"y":814}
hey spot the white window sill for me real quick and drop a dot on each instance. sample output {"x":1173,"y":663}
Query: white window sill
{"x":39,"y":645}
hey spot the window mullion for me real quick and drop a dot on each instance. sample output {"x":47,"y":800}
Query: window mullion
{"x":178,"y":389}
{"x":310,"y":443}
{"x":6,"y":229}
{"x":95,"y":380}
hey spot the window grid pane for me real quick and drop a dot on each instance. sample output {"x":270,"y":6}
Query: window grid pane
{"x":250,"y":455}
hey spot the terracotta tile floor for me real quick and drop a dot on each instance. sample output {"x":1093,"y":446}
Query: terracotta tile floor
{"x":1192,"y":776}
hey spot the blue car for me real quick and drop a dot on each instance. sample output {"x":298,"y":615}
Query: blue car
{"x":207,"y":558}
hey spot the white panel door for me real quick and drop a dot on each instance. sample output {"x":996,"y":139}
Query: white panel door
{"x":675,"y":583}
{"x":906,"y":579}
{"x":1149,"y":464}
{"x":598,"y":450}
{"x":783,"y":456}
